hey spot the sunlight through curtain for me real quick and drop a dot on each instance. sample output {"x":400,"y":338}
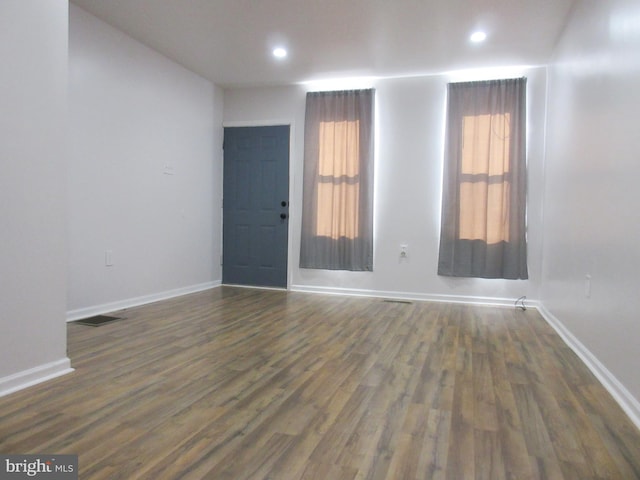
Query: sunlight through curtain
{"x":337,"y":216}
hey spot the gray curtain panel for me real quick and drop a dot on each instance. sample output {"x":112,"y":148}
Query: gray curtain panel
{"x":337,"y":215}
{"x":483,"y":231}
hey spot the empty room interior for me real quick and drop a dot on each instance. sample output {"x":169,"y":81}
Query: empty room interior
{"x":325,"y":239}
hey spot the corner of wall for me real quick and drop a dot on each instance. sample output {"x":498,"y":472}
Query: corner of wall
{"x":33,"y":376}
{"x":618,"y":391}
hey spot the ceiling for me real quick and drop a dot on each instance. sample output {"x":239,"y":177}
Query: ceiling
{"x":230,"y":41}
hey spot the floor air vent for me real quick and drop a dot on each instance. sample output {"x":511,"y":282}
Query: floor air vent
{"x":406,"y":302}
{"x":97,"y":320}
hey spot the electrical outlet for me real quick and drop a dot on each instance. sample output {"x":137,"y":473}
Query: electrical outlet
{"x":404,"y":250}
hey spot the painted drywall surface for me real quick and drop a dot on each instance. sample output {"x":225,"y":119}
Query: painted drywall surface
{"x":33,"y":151}
{"x":144,"y":173}
{"x":410,"y":136}
{"x":592,"y":196}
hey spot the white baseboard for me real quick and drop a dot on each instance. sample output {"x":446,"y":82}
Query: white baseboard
{"x":81,"y":313}
{"x":625,"y":399}
{"x":254,"y":287}
{"x":470,"y":300}
{"x":35,"y":375}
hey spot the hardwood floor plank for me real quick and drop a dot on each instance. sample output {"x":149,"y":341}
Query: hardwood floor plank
{"x":237,"y":383}
{"x":489,"y":456}
{"x":434,"y":449}
{"x":536,"y":435}
{"x":516,"y":457}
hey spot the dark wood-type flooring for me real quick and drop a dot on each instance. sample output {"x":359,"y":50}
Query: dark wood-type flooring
{"x":235,"y":384}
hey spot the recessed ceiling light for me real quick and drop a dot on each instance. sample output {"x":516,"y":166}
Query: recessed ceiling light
{"x":279,"y":52}
{"x":478,"y":37}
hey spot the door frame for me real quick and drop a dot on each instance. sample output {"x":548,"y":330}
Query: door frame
{"x":293,"y":206}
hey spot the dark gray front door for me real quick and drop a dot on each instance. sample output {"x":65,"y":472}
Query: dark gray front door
{"x":255,"y":206}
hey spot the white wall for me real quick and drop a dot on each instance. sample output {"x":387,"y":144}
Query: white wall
{"x":134,"y":117}
{"x":410,"y":115}
{"x":33,"y":150}
{"x":592,"y":196}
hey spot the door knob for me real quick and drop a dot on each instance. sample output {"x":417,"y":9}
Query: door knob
{"x":283,"y":203}
{"x":283,"y":216}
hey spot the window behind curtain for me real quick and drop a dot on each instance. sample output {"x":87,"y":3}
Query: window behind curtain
{"x":338,"y":180}
{"x":483,"y":230}
{"x":337,"y":216}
